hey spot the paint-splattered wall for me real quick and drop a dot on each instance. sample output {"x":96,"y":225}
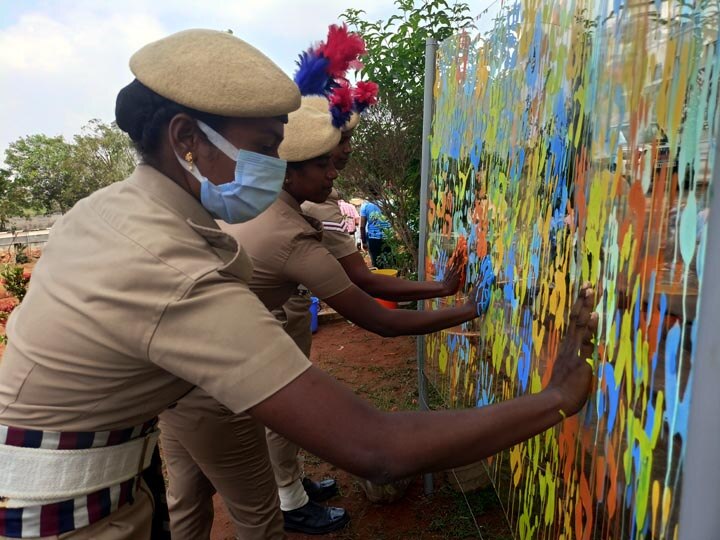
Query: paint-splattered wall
{"x":575,"y":142}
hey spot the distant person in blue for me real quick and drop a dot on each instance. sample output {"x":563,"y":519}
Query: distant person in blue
{"x":373,"y":227}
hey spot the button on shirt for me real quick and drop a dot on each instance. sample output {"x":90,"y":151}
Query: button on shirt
{"x":137,"y":298}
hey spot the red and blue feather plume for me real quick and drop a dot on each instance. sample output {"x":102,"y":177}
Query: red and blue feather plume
{"x":312,"y":74}
{"x":322,"y":71}
{"x":320,"y":65}
{"x":343,"y":50}
{"x":365,"y":94}
{"x":341,"y":103}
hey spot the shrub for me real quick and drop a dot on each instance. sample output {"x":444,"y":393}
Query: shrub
{"x":15,"y":280}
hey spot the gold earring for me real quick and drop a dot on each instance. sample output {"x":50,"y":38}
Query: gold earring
{"x":189,"y":159}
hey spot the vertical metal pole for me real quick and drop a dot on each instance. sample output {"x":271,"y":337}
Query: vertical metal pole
{"x":430,"y":52}
{"x":699,"y":509}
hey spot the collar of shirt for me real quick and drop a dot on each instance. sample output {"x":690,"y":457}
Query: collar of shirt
{"x":170,"y":195}
{"x":290,"y":201}
{"x":334,"y":195}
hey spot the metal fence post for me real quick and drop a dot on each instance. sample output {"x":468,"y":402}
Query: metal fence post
{"x":430,"y":52}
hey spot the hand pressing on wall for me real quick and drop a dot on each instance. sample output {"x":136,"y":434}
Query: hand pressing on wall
{"x":456,"y":268}
{"x":340,"y":427}
{"x":453,"y":278}
{"x":572,"y":373}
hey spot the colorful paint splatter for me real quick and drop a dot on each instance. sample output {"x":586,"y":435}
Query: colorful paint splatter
{"x":575,"y":142}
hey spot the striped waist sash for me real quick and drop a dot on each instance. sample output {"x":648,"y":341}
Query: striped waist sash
{"x":65,"y":516}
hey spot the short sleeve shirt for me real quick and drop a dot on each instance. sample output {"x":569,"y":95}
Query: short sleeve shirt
{"x":335,"y":238}
{"x":138,"y":298}
{"x":376,"y":221}
{"x":286,"y":250}
{"x":350,"y":214}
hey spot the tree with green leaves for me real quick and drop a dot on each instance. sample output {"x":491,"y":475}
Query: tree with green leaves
{"x":101,"y":155}
{"x":39,"y":164}
{"x":13,"y":198}
{"x":49,"y":174}
{"x":388,"y":141}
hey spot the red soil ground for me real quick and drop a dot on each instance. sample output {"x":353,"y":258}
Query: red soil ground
{"x":384,"y":371}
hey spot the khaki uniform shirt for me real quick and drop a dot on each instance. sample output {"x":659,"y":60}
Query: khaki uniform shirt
{"x":294,"y":313}
{"x":338,"y":241}
{"x":286,"y":250}
{"x":137,"y":298}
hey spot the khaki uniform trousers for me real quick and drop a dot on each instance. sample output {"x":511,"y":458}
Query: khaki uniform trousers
{"x":208,"y":448}
{"x":129,"y":522}
{"x":286,"y":464}
{"x":243,"y":475}
{"x":295,"y":317}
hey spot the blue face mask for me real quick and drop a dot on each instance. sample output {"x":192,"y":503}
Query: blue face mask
{"x":258,"y":181}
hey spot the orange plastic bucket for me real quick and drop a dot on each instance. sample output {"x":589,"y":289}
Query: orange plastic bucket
{"x":389,"y":304}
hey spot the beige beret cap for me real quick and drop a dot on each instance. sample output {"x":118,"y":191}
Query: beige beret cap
{"x":352,"y":123}
{"x":321,"y":104}
{"x":309,"y":133}
{"x":217,"y":73}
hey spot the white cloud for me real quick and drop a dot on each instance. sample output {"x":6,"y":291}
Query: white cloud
{"x":63,"y":62}
{"x":35,"y":43}
{"x":61,"y":72}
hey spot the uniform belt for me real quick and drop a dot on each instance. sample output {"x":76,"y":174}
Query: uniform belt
{"x":32,"y":476}
{"x":22,"y":518}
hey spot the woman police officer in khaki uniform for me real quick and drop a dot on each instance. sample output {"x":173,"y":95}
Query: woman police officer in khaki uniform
{"x":135,"y":300}
{"x":200,"y":456}
{"x":139,"y":298}
{"x":292,"y":254}
{"x":342,"y":246}
{"x":295,"y":312}
{"x":286,"y":250}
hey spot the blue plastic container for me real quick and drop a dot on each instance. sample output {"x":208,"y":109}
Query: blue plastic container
{"x":314,"y":308}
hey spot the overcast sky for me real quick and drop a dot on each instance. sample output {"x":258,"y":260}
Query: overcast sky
{"x":62,"y":62}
